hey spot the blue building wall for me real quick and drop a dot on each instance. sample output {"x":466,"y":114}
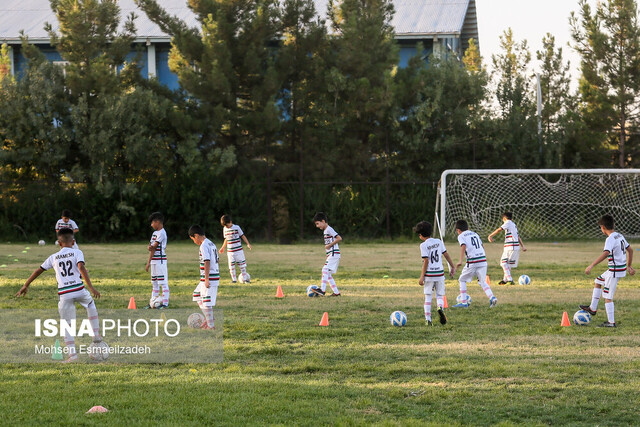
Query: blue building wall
{"x":407,"y":49}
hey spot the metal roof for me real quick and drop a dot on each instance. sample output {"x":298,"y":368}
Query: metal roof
{"x":412,"y":18}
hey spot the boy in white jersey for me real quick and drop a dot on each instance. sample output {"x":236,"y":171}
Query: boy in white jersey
{"x":512,"y":246}
{"x":331,"y":240}
{"x":157,"y":261}
{"x":68,"y":264}
{"x":620,"y":255}
{"x":476,"y":265}
{"x":432,"y":275}
{"x":232,"y":235}
{"x":64,"y":222}
{"x":206,"y":292}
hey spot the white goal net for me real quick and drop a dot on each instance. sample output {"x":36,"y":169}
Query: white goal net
{"x":546,"y":203}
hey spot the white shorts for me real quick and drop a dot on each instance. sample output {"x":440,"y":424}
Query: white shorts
{"x":208,"y":295}
{"x":474,"y":270}
{"x":430,"y":285}
{"x":331,"y":264}
{"x":511,"y":256}
{"x":236,"y":258}
{"x":609,"y":284}
{"x":67,"y":303}
{"x":159,"y":274}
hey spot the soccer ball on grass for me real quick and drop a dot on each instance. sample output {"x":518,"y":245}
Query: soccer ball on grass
{"x":398,"y":318}
{"x":195,"y":320}
{"x":98,"y":351}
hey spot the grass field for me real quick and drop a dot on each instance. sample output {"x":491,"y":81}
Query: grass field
{"x":513,"y":364}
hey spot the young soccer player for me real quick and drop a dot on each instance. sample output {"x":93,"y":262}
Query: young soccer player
{"x":157,"y":261}
{"x":206,"y":292}
{"x":471,"y":248}
{"x":512,"y":246}
{"x":331,"y":240}
{"x":232,"y":235}
{"x":68,"y":264}
{"x":620,"y":256}
{"x":432,"y":275}
{"x":66,"y":222}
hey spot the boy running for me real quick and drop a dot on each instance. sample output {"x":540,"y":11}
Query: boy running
{"x":432,"y":275}
{"x":68,"y":265}
{"x":620,"y":255}
{"x":331,"y":240}
{"x":157,"y":261}
{"x":232,"y":235}
{"x":476,"y":265}
{"x":206,"y":292}
{"x":66,"y":222}
{"x":512,"y":246}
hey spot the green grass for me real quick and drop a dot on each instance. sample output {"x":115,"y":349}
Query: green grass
{"x":510,"y":365}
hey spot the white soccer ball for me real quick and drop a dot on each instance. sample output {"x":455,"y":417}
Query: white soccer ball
{"x":195,"y":320}
{"x":398,"y":318}
{"x":581,"y":318}
{"x":57,"y":243}
{"x":155,"y":302}
{"x":310,"y":292}
{"x":244,"y":278}
{"x":459,"y":299}
{"x":98,"y":351}
{"x":41,"y":242}
{"x":524,"y":280}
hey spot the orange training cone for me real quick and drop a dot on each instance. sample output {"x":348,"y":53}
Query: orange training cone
{"x":445,"y":303}
{"x":279,"y":293}
{"x":132,"y":304}
{"x":565,"y":320}
{"x":488,"y":280}
{"x":325,"y":319}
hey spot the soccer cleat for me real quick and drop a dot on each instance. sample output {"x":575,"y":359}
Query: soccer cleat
{"x":492,"y":302}
{"x":587,"y":308}
{"x":461,"y":305}
{"x":510,"y":282}
{"x":335,"y":295}
{"x":147,"y":307}
{"x":607,"y":325}
{"x":163,"y":306}
{"x":74,"y":359}
{"x":234,"y":281}
{"x":429,"y":323}
{"x":502,"y":282}
{"x":443,"y":318}
{"x":318,"y":291}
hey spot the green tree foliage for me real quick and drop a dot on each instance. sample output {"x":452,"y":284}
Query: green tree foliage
{"x":5,"y":62}
{"x":472,"y":59}
{"x":515,"y":131}
{"x":608,"y":40}
{"x":440,"y":117}
{"x":361,"y":68}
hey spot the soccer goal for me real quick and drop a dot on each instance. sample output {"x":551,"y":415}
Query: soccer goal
{"x":546,"y":203}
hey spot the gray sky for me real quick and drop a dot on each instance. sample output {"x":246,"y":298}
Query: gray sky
{"x":530,"y":21}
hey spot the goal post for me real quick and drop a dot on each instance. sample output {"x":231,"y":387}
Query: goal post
{"x":546,"y":203}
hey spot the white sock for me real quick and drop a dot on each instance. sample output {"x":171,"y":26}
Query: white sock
{"x":610,"y":312}
{"x":165,"y":294}
{"x":486,"y":288}
{"x":463,"y":291}
{"x":325,"y":279}
{"x":427,"y":306}
{"x":333,"y":285}
{"x":507,"y":272}
{"x":156,"y":289}
{"x":92,"y":314}
{"x":208,"y":314}
{"x":232,"y":270}
{"x":440,"y":301}
{"x":595,"y":298}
